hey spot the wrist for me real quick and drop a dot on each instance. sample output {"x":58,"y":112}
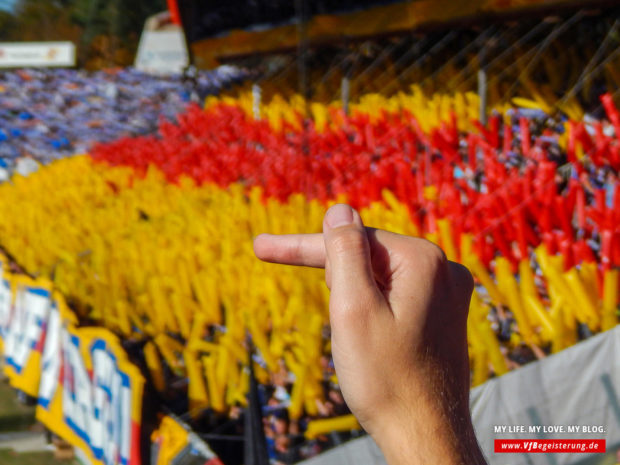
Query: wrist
{"x":429,"y":438}
{"x":432,"y":425}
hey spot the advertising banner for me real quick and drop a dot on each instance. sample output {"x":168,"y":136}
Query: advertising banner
{"x":23,"y":332}
{"x":6,"y":302}
{"x":36,"y":54}
{"x":91,"y":394}
{"x":88,"y":391}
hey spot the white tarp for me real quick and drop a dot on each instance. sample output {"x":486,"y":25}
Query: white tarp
{"x":162,"y":52}
{"x":579,"y":386}
{"x":36,"y":54}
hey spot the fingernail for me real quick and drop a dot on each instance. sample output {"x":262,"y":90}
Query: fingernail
{"x":339,"y":215}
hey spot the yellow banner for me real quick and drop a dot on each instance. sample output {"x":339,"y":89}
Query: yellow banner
{"x":173,"y":441}
{"x":24,"y":332}
{"x":6,"y":300}
{"x":91,"y":394}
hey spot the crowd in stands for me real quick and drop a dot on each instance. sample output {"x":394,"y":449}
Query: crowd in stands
{"x":50,"y":114}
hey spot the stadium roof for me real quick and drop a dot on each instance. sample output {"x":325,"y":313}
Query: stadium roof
{"x":214,"y":17}
{"x":218,"y":30}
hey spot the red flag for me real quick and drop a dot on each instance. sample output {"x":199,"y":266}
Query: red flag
{"x":175,"y":15}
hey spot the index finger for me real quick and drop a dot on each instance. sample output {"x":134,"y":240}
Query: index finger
{"x":291,"y":249}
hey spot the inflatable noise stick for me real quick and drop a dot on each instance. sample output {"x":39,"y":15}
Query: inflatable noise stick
{"x":447,"y":242}
{"x":494,"y":352}
{"x":527,"y":287}
{"x":296,"y":406}
{"x":480,"y":367}
{"x":214,"y":389}
{"x":480,"y":272}
{"x":170,"y":351}
{"x":610,"y":299}
{"x":536,"y":308}
{"x":319,"y":427}
{"x":586,"y":310}
{"x":153,"y":362}
{"x":509,"y":286}
{"x":197,"y":389}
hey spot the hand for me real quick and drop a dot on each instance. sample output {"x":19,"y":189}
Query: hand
{"x":398,"y":313}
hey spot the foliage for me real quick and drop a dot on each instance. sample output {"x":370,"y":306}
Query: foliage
{"x":106,"y":32}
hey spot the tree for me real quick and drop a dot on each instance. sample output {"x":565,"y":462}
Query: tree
{"x":105,"y":31}
{"x":44,"y":20}
{"x":120,"y":21}
{"x":7,"y":25}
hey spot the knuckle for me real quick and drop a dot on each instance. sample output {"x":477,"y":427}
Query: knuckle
{"x":346,"y":241}
{"x":432,"y":255}
{"x":436,"y":253}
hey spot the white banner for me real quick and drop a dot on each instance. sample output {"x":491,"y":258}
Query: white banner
{"x":162,"y":52}
{"x":36,"y":54}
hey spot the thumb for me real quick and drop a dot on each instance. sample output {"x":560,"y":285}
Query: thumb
{"x":348,"y":263}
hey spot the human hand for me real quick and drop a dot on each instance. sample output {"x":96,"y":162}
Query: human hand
{"x":398,"y":313}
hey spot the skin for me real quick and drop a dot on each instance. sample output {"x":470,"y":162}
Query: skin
{"x":398,"y":313}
